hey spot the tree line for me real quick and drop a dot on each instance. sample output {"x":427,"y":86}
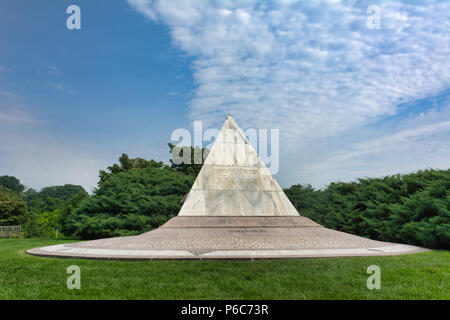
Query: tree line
{"x":406,"y":208}
{"x":40,"y":213}
{"x":137,"y":195}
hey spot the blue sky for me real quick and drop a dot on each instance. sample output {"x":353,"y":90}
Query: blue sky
{"x":349,"y":101}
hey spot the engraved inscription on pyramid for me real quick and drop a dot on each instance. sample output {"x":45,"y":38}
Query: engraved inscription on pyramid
{"x":235,"y":182}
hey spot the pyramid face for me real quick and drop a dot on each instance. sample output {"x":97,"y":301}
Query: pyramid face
{"x":235,"y":182}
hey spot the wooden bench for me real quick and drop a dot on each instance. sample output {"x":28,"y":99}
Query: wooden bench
{"x":11,"y":231}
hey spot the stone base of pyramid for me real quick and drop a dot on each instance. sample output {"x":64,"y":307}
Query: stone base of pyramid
{"x":211,"y":237}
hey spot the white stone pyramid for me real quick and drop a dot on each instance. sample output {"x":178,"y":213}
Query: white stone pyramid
{"x":235,"y":182}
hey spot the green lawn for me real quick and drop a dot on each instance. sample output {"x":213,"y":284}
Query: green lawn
{"x":416,"y":276}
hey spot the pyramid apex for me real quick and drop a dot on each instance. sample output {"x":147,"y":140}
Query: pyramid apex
{"x":233,"y":181}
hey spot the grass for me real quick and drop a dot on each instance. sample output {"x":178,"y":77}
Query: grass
{"x":416,"y":276}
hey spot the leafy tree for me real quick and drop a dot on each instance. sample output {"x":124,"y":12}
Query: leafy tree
{"x":12,"y":183}
{"x":44,"y":223}
{"x":51,"y":198}
{"x":69,"y":208}
{"x":30,"y":194}
{"x":126,"y":164}
{"x":302,"y":197}
{"x":33,"y":227}
{"x":37,"y":205}
{"x":13,"y":209}
{"x":130,"y":199}
{"x":64,"y":192}
{"x":189,"y":168}
{"x":50,"y":222}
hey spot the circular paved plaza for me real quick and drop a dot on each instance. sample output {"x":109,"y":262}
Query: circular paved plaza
{"x":230,"y":238}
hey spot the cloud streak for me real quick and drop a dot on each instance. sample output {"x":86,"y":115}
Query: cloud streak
{"x":12,"y":111}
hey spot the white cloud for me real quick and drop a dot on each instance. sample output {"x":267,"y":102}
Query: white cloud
{"x":53,"y":70}
{"x":12,"y":111}
{"x":312,"y":69}
{"x":15,"y":116}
